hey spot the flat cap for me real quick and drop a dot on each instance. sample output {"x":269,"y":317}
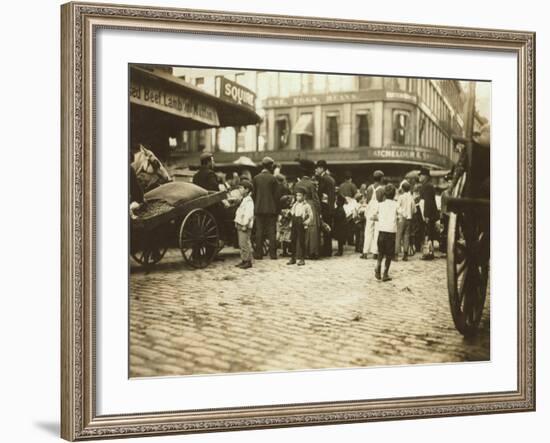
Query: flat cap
{"x":266,"y":161}
{"x":378,"y":174}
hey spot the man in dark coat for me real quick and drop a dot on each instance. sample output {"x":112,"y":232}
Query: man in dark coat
{"x":347,"y":188}
{"x":266,"y":207}
{"x":431,"y":214}
{"x":205,"y":177}
{"x":327,"y":196}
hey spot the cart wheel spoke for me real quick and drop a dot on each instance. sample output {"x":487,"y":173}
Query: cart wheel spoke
{"x":198,"y":233}
{"x":466,"y":271}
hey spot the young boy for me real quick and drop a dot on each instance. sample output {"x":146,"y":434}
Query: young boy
{"x":405,"y":209}
{"x":244,"y":219}
{"x":302,"y":217}
{"x":284,"y":221}
{"x":340,"y":224}
{"x":387,"y":227}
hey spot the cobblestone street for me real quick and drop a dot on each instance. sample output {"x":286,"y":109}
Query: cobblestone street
{"x":331,"y":313}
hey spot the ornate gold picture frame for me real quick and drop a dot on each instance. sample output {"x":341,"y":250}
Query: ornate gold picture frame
{"x":80,"y":23}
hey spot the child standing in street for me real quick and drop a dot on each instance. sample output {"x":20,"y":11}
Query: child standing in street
{"x":340,"y":224}
{"x":387,"y":227}
{"x":302,"y":217}
{"x":244,"y":219}
{"x":284,"y":225}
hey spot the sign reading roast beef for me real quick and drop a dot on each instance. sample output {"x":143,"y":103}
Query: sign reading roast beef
{"x":153,"y":95}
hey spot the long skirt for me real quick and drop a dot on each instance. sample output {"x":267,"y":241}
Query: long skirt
{"x":313,"y":234}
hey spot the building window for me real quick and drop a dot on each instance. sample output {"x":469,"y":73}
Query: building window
{"x":365,"y":82}
{"x":422,"y":129}
{"x":282,"y":131}
{"x":303,"y":129}
{"x":363,"y":130}
{"x":332,"y":131}
{"x":401,"y":127}
{"x":199,"y":82}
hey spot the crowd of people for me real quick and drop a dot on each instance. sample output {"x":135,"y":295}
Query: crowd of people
{"x":304,"y":218}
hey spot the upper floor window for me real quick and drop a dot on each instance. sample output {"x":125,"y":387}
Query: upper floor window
{"x":199,"y":82}
{"x":303,"y":129}
{"x":363,"y":130}
{"x":282,"y":131}
{"x":332,"y":131}
{"x":401,"y":121}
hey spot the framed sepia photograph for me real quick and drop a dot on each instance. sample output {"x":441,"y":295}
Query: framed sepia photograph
{"x":275,"y":221}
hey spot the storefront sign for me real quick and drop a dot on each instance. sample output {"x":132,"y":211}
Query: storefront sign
{"x":236,"y":93}
{"x":390,"y":154}
{"x":341,"y":97}
{"x":173,"y":102}
{"x":400,"y":97}
{"x":410,"y":153}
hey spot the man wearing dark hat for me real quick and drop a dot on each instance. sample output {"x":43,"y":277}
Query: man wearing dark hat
{"x":266,"y":198}
{"x":427,"y":194}
{"x":347,"y":188}
{"x":308,"y":188}
{"x":205,"y":177}
{"x":327,"y":196}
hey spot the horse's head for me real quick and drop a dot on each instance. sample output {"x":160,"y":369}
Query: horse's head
{"x":149,"y":170}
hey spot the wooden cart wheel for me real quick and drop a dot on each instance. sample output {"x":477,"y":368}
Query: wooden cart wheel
{"x":198,"y":238}
{"x":150,"y":254}
{"x":467,"y":268}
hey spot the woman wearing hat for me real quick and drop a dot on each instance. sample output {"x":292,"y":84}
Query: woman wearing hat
{"x":308,"y":187}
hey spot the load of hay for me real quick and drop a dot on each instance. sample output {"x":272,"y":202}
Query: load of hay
{"x":176,"y":193}
{"x":166,"y":197}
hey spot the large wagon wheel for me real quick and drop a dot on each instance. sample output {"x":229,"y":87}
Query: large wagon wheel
{"x":467,"y":267}
{"x":151,"y":251}
{"x":198,"y":238}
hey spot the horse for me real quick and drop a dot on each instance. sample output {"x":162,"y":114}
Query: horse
{"x":149,"y":170}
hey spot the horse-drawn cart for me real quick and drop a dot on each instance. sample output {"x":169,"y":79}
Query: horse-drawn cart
{"x":189,"y":225}
{"x":468,"y":237}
